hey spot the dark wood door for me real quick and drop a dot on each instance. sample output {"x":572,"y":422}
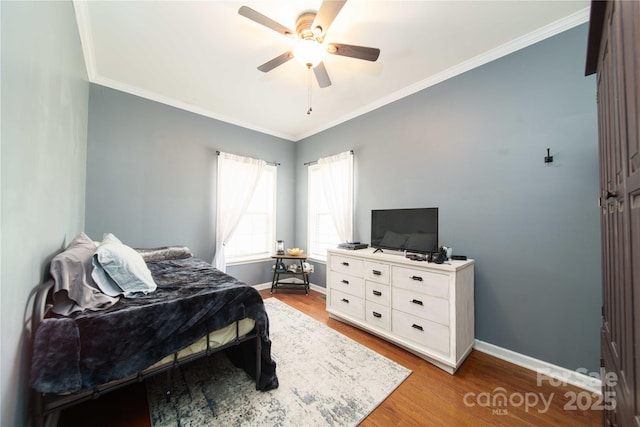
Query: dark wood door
{"x":614,"y":43}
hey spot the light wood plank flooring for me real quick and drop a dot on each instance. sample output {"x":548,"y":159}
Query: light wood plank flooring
{"x":428,"y":397}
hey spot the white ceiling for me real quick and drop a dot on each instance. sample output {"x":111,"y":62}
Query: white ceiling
{"x":201,"y":56}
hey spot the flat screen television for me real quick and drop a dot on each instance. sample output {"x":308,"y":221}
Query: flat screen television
{"x":411,"y":230}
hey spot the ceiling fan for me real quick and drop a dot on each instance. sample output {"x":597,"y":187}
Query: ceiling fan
{"x":311,"y":29}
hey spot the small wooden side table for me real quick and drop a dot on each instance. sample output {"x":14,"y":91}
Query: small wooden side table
{"x":277,"y":272}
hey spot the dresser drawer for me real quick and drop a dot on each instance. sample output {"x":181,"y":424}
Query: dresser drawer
{"x":421,"y":305}
{"x":347,"y":284}
{"x":352,"y":266}
{"x":420,"y":331}
{"x":431,"y":283}
{"x":376,"y":272}
{"x":348,"y":304}
{"x":378,"y":315}
{"x":378,"y":293}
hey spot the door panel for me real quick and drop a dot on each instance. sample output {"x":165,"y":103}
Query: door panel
{"x":618,"y":83}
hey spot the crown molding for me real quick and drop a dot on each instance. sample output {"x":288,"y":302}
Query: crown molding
{"x":550,"y":30}
{"x":86,"y":40}
{"x":153,"y":96}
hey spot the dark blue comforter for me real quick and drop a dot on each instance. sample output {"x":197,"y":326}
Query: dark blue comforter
{"x":88,"y":349}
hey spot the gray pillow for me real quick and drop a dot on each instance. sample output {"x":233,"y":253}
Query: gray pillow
{"x":120,"y":270}
{"x":74,"y":288}
{"x":164,"y":253}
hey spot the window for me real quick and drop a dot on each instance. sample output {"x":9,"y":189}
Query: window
{"x":254,"y":236}
{"x":330,"y":204}
{"x":322,"y":233}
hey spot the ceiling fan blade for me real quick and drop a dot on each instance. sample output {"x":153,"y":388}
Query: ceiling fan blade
{"x":327,"y":13}
{"x":278,"y":60}
{"x":352,"y":51}
{"x":247,"y":12}
{"x":321,"y":75}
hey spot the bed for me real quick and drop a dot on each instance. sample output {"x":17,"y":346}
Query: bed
{"x":194,"y":311}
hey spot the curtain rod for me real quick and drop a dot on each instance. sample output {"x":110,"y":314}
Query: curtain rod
{"x":313,"y":162}
{"x":269,"y":163}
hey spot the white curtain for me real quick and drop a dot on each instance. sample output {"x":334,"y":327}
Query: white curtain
{"x":337,"y":182}
{"x":238,"y":179}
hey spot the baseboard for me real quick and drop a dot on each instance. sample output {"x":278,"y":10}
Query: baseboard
{"x":317,"y":288}
{"x":262,"y":286}
{"x":267,"y":285}
{"x":559,"y":375}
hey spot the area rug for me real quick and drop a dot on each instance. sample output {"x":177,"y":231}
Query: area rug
{"x":326,"y":379}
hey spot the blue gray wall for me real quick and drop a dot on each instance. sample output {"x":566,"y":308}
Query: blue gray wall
{"x":151,"y":175}
{"x":474,"y":147}
{"x":44,"y":132}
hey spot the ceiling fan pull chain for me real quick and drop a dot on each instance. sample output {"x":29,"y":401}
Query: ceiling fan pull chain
{"x":309,"y":86}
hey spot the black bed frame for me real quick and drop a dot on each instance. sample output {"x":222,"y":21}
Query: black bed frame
{"x":49,"y":405}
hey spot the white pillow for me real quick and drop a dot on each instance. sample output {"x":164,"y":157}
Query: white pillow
{"x":120,"y":270}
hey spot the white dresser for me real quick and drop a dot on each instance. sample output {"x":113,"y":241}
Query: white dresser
{"x":425,"y":308}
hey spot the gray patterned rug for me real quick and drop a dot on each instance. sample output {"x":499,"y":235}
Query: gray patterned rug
{"x":326,"y":379}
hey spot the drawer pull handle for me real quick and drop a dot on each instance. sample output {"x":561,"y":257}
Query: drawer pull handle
{"x":345,"y":300}
{"x":346,"y":282}
{"x":377,"y":293}
{"x":418,"y":327}
{"x":377,"y":273}
{"x":378,"y":315}
{"x":417,"y":278}
{"x":415,"y":301}
{"x":346,"y":264}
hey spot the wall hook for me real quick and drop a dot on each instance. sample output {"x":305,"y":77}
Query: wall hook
{"x":549,"y":157}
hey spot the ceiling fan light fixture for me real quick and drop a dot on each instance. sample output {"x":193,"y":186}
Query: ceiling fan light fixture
{"x":309,"y":48}
{"x":309,"y":52}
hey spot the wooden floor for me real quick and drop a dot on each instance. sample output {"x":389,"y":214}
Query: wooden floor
{"x":428,"y":397}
